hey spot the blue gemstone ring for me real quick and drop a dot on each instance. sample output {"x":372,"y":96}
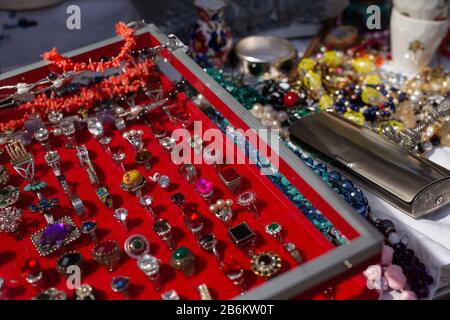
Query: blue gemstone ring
{"x":89,"y":227}
{"x":120,"y":284}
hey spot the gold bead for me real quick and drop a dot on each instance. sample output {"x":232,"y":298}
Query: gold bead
{"x":220,"y":204}
{"x":229,"y":202}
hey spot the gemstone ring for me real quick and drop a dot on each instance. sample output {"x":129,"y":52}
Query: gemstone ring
{"x":150,"y":265}
{"x":136,"y":246}
{"x":248,"y":200}
{"x":170,"y":295}
{"x":144,"y":157}
{"x":42,"y":136}
{"x":266,"y":264}
{"x":164,"y":231}
{"x":222,"y":210}
{"x":121,"y":215}
{"x":105,"y":142}
{"x":133,"y":181}
{"x":10,"y":219}
{"x":194,"y":223}
{"x":178,"y":200}
{"x":9,"y":195}
{"x":67,"y":128}
{"x":120,"y":284}
{"x":84,"y":292}
{"x":158,"y":130}
{"x":134,"y":137}
{"x":31,"y":271}
{"x":146,"y":202}
{"x":168,"y":143}
{"x":89,"y":227}
{"x":243,"y":237}
{"x":231,"y":179}
{"x":4,"y":175}
{"x":293,"y":251}
{"x":118,"y":159}
{"x":162,"y":180}
{"x":104,"y":196}
{"x":188,"y":171}
{"x":184,"y":260}
{"x":205,"y":188}
{"x":233,"y":270}
{"x":208,"y":242}
{"x":67,"y":260}
{"x":55,"y":236}
{"x":274,"y":229}
{"x":95,"y":127}
{"x":51,"y":294}
{"x":108,"y":254}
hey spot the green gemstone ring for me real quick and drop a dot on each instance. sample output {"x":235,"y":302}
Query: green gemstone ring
{"x":184,"y":260}
{"x":274,"y":229}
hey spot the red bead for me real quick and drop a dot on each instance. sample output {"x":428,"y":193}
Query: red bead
{"x":230,"y":267}
{"x":184,"y":115}
{"x":157,"y":128}
{"x":193,"y":219}
{"x":31,"y":267}
{"x":290,"y":99}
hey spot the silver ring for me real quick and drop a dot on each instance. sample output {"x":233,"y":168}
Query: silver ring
{"x":83,"y":155}
{"x":77,"y":204}
{"x":231,"y":179}
{"x":188,"y":171}
{"x":168,"y":143}
{"x":136,"y":246}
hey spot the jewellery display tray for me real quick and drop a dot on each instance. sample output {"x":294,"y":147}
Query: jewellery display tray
{"x":325,"y":266}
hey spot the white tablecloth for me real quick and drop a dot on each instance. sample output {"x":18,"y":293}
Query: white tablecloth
{"x":429,"y":237}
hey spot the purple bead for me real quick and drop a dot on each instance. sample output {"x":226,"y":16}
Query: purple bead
{"x":421,"y":266}
{"x":33,"y":124}
{"x":428,"y":279}
{"x":422,"y":292}
{"x":399,"y":246}
{"x":386,"y":226}
{"x":105,"y":116}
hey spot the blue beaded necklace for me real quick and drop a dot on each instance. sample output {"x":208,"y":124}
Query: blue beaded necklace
{"x":281,"y":182}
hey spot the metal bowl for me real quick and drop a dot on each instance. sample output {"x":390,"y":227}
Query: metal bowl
{"x":260,"y":55}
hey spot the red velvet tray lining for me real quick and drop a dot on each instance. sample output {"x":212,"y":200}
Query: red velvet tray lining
{"x":274,"y":206}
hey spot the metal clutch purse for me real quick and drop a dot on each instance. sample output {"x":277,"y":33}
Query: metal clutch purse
{"x":408,"y":181}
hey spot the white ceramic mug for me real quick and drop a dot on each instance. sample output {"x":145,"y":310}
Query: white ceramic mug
{"x":423,"y":9}
{"x":414,"y":41}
